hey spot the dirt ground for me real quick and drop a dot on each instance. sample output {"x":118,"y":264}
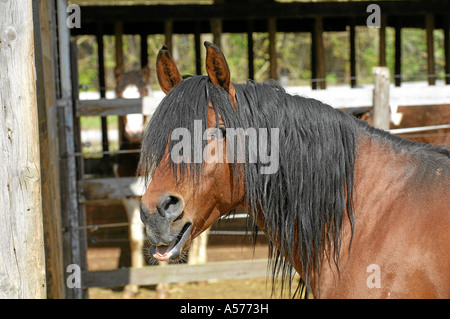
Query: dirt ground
{"x":255,"y":288}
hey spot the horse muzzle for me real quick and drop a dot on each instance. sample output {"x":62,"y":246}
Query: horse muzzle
{"x":167,"y":229}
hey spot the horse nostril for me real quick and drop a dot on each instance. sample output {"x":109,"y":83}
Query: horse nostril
{"x":172,"y":201}
{"x":170,"y":207}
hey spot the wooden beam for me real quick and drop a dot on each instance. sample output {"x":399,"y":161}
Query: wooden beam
{"x":74,"y":251}
{"x":120,"y":64}
{"x":197,"y":46}
{"x":318,"y":55}
{"x":22,"y":255}
{"x":151,"y":275}
{"x":102,"y":82}
{"x":121,"y":107}
{"x":352,"y":54}
{"x":216,"y":30}
{"x":257,"y":9}
{"x":48,"y":141}
{"x":382,"y":44}
{"x":168,"y":33}
{"x":110,"y":188}
{"x":429,"y":27}
{"x":447,"y":48}
{"x":398,"y":56}
{"x":272,"y":26}
{"x":250,"y":53}
{"x":144,"y":49}
{"x":81,"y":216}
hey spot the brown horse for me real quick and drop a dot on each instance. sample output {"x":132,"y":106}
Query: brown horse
{"x":356,"y":211}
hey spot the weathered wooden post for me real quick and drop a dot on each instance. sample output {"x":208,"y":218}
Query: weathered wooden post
{"x":272,"y":26}
{"x":22,"y":263}
{"x":429,"y":27}
{"x":381,"y":111}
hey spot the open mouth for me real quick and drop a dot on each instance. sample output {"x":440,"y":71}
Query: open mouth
{"x":173,"y":250}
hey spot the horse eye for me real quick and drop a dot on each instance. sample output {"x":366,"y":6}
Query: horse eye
{"x":219,"y":133}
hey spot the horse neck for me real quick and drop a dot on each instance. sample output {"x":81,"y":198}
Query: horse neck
{"x":386,"y":166}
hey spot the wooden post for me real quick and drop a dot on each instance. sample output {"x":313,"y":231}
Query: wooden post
{"x":381,"y":111}
{"x":352,"y":54}
{"x":73,"y":244}
{"x":398,"y":55}
{"x":216,"y":30}
{"x":250,"y":53}
{"x":197,"y":46}
{"x":22,"y":257}
{"x":272,"y":26}
{"x":48,"y":140}
{"x":118,"y":32}
{"x":382,"y":45}
{"x":144,"y":49}
{"x":168,"y":32}
{"x":102,"y":83}
{"x":447,"y":48}
{"x":429,"y":26}
{"x":318,"y":55}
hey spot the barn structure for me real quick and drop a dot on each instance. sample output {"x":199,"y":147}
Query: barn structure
{"x":45,"y":190}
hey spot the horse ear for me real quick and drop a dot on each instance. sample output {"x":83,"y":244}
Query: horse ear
{"x":218,"y":71}
{"x":167,"y":71}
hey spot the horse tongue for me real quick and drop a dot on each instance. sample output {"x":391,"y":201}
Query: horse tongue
{"x":162,"y":250}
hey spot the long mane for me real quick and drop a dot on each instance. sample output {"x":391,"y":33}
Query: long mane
{"x":305,"y":202}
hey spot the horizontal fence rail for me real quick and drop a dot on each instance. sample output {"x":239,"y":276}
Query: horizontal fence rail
{"x":151,"y":275}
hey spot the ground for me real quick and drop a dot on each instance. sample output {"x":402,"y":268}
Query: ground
{"x":256,"y":288}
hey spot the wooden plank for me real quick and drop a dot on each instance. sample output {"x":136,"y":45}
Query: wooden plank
{"x":176,"y":273}
{"x":110,"y":188}
{"x":272,"y":26}
{"x":381,"y":111}
{"x":22,"y":257}
{"x":429,"y":27}
{"x":48,"y":140}
{"x":104,"y":107}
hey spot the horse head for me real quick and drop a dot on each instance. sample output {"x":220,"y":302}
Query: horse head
{"x":175,"y":210}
